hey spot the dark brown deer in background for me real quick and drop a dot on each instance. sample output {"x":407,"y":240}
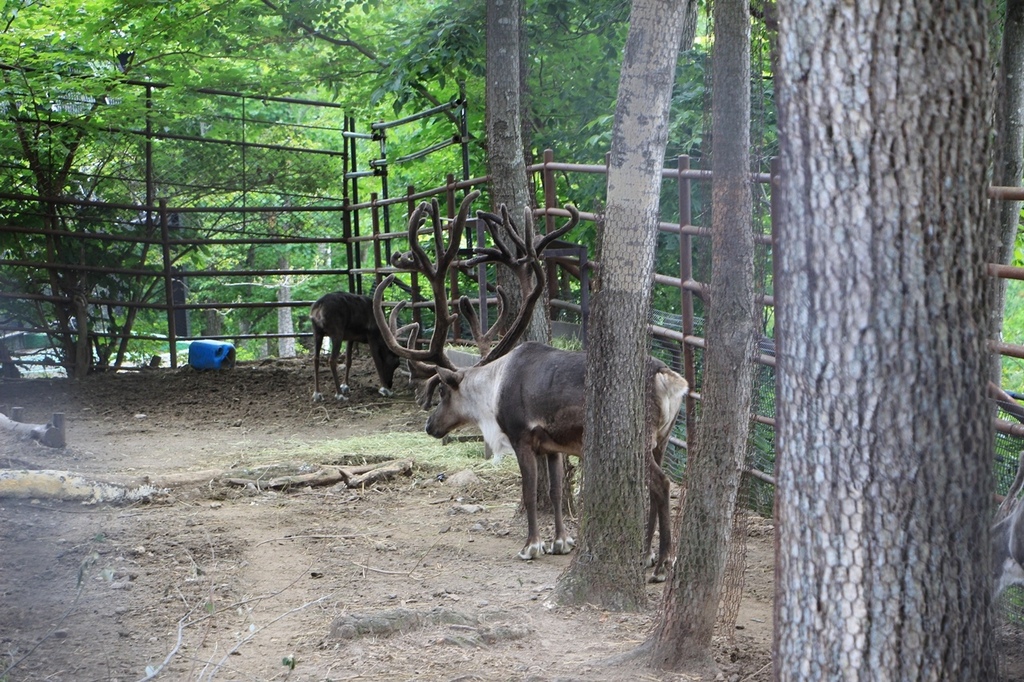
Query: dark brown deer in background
{"x":526,"y":400}
{"x":349,"y":317}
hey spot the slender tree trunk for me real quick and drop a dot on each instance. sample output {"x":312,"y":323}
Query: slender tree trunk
{"x":719,"y":449}
{"x":506,"y":75}
{"x":506,"y":163}
{"x":285,"y":324}
{"x":884,"y":437}
{"x":1010,"y":167}
{"x":83,"y":345}
{"x":606,"y":568}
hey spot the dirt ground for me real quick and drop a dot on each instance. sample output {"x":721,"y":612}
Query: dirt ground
{"x":406,"y":579}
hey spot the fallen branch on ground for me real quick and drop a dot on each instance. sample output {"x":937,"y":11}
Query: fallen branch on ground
{"x":65,"y":485}
{"x":479,"y":629}
{"x":352,"y":477}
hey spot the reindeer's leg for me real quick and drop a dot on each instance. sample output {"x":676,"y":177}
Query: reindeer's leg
{"x":650,"y":558}
{"x":335,"y":350}
{"x":528,"y":470}
{"x":556,"y":472}
{"x":318,"y":341}
{"x":660,"y":511}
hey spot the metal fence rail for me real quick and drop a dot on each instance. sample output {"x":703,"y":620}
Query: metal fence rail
{"x":346,"y":242}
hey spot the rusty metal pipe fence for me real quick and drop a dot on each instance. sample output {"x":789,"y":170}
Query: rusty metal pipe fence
{"x":365,"y":262}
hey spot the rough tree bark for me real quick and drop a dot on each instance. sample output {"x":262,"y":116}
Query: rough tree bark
{"x":606,"y":569}
{"x":719,"y":448}
{"x":506,"y":163}
{"x":506,"y":160}
{"x":884,"y":437}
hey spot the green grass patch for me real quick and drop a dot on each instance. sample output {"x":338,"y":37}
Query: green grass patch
{"x":428,"y":454}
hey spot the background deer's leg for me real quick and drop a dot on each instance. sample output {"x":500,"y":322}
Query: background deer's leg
{"x":318,"y":341}
{"x":335,"y":350}
{"x":562,"y":543}
{"x":343,"y":386}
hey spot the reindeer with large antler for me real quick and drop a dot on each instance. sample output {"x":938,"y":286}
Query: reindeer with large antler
{"x":526,"y":399}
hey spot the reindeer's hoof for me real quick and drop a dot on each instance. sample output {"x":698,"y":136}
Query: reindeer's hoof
{"x":386,"y":392}
{"x":661,"y":568}
{"x":560,"y":546}
{"x":342,"y":391}
{"x":318,"y":397}
{"x":532,"y":551}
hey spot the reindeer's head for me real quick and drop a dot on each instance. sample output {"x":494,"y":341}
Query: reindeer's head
{"x":389,"y":364}
{"x":451,"y":412}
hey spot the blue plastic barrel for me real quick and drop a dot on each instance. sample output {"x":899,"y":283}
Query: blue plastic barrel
{"x":211,"y":355}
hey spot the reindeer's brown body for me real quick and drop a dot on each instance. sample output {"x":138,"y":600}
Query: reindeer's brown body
{"x":1008,"y":551}
{"x":342,"y":316}
{"x":530,"y":402}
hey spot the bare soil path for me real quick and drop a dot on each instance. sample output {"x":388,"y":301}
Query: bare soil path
{"x":409,"y":579}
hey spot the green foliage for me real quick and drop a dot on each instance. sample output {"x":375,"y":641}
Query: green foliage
{"x":1013,"y":332}
{"x":567,"y":343}
{"x":446,"y":45}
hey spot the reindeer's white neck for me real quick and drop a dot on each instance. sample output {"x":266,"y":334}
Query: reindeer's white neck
{"x":481,"y":389}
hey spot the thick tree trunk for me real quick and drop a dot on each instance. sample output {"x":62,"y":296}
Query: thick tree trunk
{"x":719,"y":448}
{"x":606,"y":568}
{"x":884,"y":438}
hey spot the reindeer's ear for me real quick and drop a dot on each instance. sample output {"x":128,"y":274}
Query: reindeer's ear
{"x":425,"y":395}
{"x":449,"y":377}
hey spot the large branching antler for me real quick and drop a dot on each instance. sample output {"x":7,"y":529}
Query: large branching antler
{"x":516,"y":250}
{"x":513,"y":248}
{"x":436,"y":273}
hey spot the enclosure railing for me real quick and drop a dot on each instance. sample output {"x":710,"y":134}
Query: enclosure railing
{"x":159,"y":279}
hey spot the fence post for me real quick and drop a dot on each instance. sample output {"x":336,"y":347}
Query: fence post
{"x":547,"y":183}
{"x":58,"y":436}
{"x":464,"y":129}
{"x":150,"y":181}
{"x":774,"y":215}
{"x":165,"y":240}
{"x":375,"y":231}
{"x":449,"y":195}
{"x":417,"y":313}
{"x":686,"y":295}
{"x":346,"y":234}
